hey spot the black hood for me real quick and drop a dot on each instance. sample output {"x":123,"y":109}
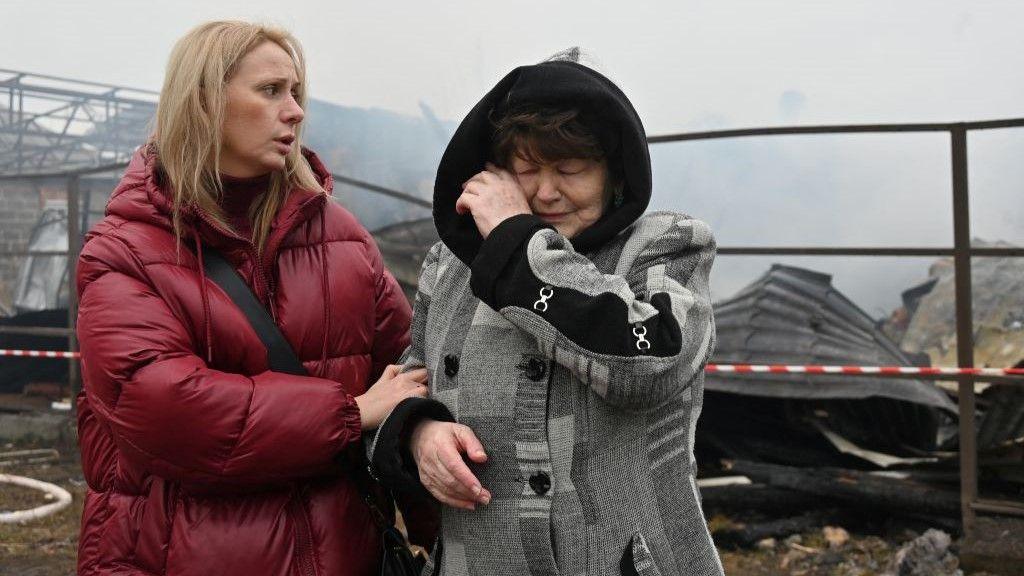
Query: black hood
{"x":562,"y":84}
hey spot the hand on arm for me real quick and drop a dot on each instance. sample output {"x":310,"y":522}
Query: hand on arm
{"x":392,"y":387}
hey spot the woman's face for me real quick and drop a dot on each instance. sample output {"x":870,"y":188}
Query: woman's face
{"x":261,"y":113}
{"x":568,"y":194}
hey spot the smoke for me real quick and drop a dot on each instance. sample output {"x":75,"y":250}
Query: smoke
{"x":872,"y":190}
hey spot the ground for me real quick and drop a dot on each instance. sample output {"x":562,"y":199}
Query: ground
{"x":47,"y":547}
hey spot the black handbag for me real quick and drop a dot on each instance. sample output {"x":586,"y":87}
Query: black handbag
{"x":397,"y":559}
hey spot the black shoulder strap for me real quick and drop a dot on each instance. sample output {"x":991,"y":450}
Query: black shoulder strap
{"x":280,"y":354}
{"x":279,"y":351}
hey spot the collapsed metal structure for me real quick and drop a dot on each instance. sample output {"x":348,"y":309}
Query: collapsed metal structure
{"x":795,"y":316}
{"x":50,"y":124}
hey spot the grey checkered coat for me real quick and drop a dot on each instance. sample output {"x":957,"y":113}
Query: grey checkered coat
{"x":582,"y":377}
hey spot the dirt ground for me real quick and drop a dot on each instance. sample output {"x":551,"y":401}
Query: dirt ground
{"x":47,"y":547}
{"x":810,"y":554}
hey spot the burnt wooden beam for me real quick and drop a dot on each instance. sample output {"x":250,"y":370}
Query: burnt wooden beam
{"x":854,"y":486}
{"x":745,"y":498}
{"x":747,"y":535}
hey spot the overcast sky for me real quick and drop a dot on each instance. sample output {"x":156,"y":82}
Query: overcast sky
{"x":686,"y":64}
{"x":729,"y":62}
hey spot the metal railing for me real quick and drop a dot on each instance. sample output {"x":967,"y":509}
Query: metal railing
{"x":961,"y":251}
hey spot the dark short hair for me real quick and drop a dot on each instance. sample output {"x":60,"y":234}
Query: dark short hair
{"x":543,"y":134}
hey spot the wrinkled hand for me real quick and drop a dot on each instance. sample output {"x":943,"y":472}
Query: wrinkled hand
{"x":491,"y":197}
{"x":392,"y":387}
{"x":437,"y":448}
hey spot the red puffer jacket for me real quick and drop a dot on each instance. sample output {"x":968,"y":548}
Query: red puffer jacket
{"x":200,"y":460}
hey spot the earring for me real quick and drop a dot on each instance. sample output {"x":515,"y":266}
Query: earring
{"x":618,"y":198}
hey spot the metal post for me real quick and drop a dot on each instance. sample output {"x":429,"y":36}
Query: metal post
{"x":17,"y":144}
{"x":86,"y":209}
{"x":74,"y":247}
{"x":964,"y":326}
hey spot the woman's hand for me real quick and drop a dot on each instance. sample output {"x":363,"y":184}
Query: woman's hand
{"x":437,"y":448}
{"x":492,"y":196}
{"x":392,"y":387}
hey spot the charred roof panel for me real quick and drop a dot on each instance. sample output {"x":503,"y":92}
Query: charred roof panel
{"x":795,"y":316}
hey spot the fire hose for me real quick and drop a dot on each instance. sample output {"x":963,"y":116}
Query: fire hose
{"x":62,"y":497}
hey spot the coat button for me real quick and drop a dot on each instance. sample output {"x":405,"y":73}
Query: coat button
{"x":451,"y":365}
{"x":536,"y":369}
{"x":541,"y":483}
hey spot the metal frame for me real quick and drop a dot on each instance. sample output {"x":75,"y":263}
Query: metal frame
{"x":49,"y":123}
{"x":962,"y":253}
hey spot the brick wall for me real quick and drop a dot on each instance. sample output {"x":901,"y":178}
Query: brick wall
{"x":21,"y":204}
{"x":20,"y":207}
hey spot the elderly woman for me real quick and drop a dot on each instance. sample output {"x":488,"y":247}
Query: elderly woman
{"x":564,"y":332}
{"x":201,"y":459}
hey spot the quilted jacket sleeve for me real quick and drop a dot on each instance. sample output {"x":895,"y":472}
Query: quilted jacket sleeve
{"x":636,"y":336}
{"x":177,"y":417}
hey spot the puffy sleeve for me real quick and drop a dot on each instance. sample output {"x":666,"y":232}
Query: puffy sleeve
{"x":179,"y":418}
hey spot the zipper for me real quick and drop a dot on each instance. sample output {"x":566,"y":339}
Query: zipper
{"x":271,"y":294}
{"x":303,"y":536}
{"x":273,"y":308}
{"x":224,"y":231}
{"x":259,"y":275}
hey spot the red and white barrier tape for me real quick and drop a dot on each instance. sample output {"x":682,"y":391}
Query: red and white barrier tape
{"x":863,"y":370}
{"x":39,"y":353}
{"x":723,"y":368}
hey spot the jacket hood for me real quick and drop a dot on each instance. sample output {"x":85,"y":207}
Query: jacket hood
{"x":142,"y":195}
{"x":557,"y":83}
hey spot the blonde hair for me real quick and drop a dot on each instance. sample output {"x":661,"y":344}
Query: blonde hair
{"x":190,"y":115}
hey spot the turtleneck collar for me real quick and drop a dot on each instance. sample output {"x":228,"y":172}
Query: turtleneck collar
{"x":238,"y":197}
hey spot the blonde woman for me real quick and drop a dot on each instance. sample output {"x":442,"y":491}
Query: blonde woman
{"x":199,"y":458}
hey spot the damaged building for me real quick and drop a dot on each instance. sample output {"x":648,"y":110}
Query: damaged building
{"x":795,"y":316}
